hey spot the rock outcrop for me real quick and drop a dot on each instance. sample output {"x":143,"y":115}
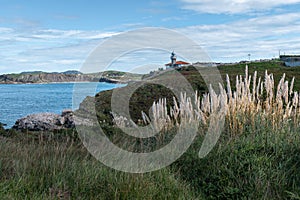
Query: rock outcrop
{"x":52,"y":121}
{"x":2,"y":126}
{"x":46,"y":121}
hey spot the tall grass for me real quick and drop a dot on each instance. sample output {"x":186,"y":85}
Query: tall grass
{"x":57,"y":166}
{"x":251,"y":99}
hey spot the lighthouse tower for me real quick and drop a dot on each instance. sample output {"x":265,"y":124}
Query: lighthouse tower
{"x":173,"y":59}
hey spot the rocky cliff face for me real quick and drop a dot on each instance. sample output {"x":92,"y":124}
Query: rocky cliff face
{"x":46,"y":78}
{"x":69,"y":76}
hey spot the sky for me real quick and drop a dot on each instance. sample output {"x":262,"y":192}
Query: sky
{"x":60,"y":35}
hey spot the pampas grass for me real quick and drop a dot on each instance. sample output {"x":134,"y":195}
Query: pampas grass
{"x":253,"y":98}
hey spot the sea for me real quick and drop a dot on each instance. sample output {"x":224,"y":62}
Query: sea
{"x":20,"y":100}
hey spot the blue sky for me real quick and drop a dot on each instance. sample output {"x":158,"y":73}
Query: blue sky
{"x":59,"y":35}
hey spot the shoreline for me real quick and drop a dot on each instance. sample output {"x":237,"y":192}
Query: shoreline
{"x":9,"y":123}
{"x":48,"y":78}
{"x":74,"y":82}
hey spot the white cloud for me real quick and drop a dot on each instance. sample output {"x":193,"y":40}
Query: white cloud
{"x":5,"y":30}
{"x":6,"y":34}
{"x":66,"y":61}
{"x":176,"y":18}
{"x":47,"y":50}
{"x":71,"y":34}
{"x":234,"y":6}
{"x":262,"y":36}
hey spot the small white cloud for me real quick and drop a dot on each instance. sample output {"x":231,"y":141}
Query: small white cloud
{"x":66,"y":61}
{"x":97,"y":35}
{"x":173,"y":19}
{"x":71,"y":34}
{"x":5,"y":30}
{"x":52,"y":34}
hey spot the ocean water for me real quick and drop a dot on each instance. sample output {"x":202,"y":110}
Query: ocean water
{"x":17,"y":101}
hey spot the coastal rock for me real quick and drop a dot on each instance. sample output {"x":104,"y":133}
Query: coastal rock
{"x":2,"y":126}
{"x":46,"y":121}
{"x":67,"y":119}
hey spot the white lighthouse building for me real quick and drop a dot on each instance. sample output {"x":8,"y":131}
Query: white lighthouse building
{"x":174,"y":63}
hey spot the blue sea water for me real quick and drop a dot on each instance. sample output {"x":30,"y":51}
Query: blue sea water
{"x":17,"y":101}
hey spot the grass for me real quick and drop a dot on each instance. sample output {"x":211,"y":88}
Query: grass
{"x":57,"y":166}
{"x":260,"y":162}
{"x":256,"y":165}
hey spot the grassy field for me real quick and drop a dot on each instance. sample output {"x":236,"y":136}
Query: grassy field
{"x":57,"y":166}
{"x":260,"y":164}
{"x":258,"y":161}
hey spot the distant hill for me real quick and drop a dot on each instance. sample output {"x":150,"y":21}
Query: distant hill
{"x":68,"y":76}
{"x":41,"y":72}
{"x":72,"y":72}
{"x":32,"y":72}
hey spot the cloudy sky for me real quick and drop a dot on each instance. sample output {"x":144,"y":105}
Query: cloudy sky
{"x":59,"y":35}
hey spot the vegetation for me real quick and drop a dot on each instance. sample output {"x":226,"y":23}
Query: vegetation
{"x":256,"y":157}
{"x":57,"y":166}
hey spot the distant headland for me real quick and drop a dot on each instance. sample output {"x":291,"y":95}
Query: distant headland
{"x":68,"y":76}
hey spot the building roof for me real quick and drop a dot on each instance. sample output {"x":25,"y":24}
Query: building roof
{"x":178,"y":63}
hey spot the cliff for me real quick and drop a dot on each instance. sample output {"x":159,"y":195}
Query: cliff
{"x":68,"y":76}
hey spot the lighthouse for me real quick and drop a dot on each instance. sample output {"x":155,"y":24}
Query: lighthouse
{"x":173,"y":59}
{"x":174,"y":63}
